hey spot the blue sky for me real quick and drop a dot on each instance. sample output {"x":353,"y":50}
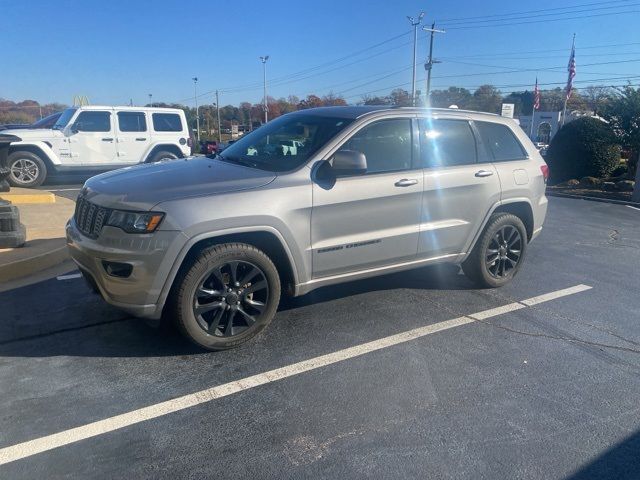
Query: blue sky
{"x":113,"y":51}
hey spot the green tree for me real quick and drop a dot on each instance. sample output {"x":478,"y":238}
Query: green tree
{"x":452,"y":96}
{"x":400,"y":97}
{"x":487,"y":98}
{"x":623,"y":113}
{"x":586,"y":147}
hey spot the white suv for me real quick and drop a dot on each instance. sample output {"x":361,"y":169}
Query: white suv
{"x":95,"y":138}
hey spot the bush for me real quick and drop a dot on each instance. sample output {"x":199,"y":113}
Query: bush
{"x":586,"y":147}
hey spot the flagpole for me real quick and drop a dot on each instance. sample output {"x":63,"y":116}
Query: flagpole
{"x":566,"y":97}
{"x":533,"y":109}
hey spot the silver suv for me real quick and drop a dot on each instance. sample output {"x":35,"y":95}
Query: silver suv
{"x":212,"y":241}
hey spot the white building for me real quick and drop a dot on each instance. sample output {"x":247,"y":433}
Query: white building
{"x":547,"y":124}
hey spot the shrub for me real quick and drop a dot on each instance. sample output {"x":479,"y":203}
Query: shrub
{"x":586,"y":147}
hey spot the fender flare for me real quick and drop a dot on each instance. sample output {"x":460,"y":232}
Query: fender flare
{"x":188,"y":245}
{"x":45,"y":150}
{"x":493,"y":208}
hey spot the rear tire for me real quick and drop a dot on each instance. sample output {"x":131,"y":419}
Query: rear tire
{"x":499,"y":252}
{"x":232,"y":282}
{"x":162,"y":156}
{"x":26,"y":170}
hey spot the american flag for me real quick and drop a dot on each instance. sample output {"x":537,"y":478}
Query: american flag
{"x":536,"y":96}
{"x":571,"y":68}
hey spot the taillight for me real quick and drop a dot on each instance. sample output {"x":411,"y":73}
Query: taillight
{"x":545,"y":172}
{"x":189,"y":142}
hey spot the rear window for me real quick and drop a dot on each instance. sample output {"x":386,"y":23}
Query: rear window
{"x":446,"y":143}
{"x":167,"y":122}
{"x":132,"y":122}
{"x":501,"y":142}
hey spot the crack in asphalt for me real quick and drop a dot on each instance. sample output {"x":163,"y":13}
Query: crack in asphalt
{"x":62,"y":330}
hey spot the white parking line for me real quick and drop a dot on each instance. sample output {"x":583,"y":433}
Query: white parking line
{"x":635,"y":208}
{"x":100,"y":427}
{"x":69,"y":277}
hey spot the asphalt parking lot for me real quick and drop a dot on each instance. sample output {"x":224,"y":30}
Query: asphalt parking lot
{"x":413,"y":375}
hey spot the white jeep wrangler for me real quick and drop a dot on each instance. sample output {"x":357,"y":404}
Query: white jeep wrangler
{"x":93,"y":138}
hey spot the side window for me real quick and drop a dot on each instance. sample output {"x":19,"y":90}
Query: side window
{"x":167,"y":122}
{"x":93,"y":122}
{"x":446,"y":143}
{"x":501,"y":142}
{"x":387,"y":144}
{"x":132,"y":122}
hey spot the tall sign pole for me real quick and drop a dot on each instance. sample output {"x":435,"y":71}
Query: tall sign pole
{"x":218,"y":115}
{"x":415,"y":22}
{"x":264,"y":74}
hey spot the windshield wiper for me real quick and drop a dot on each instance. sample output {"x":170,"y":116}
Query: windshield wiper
{"x":238,"y":160}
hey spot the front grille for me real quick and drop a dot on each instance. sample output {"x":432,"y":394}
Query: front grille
{"x":90,"y":217}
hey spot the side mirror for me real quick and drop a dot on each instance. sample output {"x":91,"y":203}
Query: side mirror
{"x":348,"y":162}
{"x":76,"y":127}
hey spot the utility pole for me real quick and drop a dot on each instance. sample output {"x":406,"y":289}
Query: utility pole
{"x":218,"y":114}
{"x":414,"y":23}
{"x":264,"y":74}
{"x":429,"y":65}
{"x":150,"y":102}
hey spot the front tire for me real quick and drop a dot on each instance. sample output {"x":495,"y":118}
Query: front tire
{"x":498,"y":254}
{"x":227,"y":296}
{"x":26,"y":170}
{"x":162,"y":156}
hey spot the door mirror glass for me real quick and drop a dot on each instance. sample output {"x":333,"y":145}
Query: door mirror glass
{"x":76,"y":127}
{"x":349,"y":162}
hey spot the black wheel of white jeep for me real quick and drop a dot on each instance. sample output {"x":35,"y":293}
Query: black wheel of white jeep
{"x":228,"y":295}
{"x":498,"y":253}
{"x":26,"y":170}
{"x":163,"y":156}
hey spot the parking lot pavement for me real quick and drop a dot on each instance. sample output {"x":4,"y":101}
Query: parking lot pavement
{"x":69,"y":191}
{"x":544,"y":388}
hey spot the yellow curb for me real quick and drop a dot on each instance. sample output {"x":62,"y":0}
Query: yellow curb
{"x":29,"y":266}
{"x":24,"y":198}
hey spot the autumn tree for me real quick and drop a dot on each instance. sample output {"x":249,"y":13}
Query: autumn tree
{"x":452,"y":96}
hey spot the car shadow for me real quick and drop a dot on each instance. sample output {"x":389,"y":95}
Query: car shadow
{"x":622,"y":462}
{"x":86,"y":326}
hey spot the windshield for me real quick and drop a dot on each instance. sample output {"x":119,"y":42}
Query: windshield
{"x":285,"y":143}
{"x":47,"y":122}
{"x":64,"y":118}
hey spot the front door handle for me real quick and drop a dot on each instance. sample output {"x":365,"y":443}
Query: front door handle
{"x":406,"y":182}
{"x":484,"y":173}
{"x":107,"y":139}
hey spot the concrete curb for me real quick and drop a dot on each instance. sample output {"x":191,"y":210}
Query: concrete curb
{"x":28,"y":266}
{"x":592,"y":199}
{"x":29,"y":198}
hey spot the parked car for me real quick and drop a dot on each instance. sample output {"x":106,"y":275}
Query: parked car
{"x":209,"y":147}
{"x":98,"y":138}
{"x":212,"y":242}
{"x":13,"y":126}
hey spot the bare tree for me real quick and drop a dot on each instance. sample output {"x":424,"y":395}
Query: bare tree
{"x":596,"y":97}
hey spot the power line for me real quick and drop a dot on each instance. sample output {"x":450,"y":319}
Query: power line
{"x":626,"y":5}
{"x":541,"y":20}
{"x":534,"y":11}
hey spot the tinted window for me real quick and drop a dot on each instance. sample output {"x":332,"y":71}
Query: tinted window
{"x":132,"y":122}
{"x":387,"y":144}
{"x":93,"y":122}
{"x":446,"y":143}
{"x":500,"y":141}
{"x":167,"y":122}
{"x":285,"y":143}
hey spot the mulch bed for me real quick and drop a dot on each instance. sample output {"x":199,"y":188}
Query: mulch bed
{"x":581,"y":191}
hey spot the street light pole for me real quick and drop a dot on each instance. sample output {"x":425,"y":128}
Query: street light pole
{"x":264,"y":75}
{"x":218,"y":114}
{"x":195,"y":97}
{"x":150,"y":103}
{"x":429,"y":65}
{"x":414,"y":23}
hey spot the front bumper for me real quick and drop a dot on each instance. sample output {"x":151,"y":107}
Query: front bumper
{"x":139,"y":293}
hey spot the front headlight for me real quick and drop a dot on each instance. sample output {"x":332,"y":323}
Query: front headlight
{"x":135,"y":222}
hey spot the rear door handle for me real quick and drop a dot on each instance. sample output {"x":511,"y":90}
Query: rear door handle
{"x":107,"y":139}
{"x":483,"y":173}
{"x":140,"y":139}
{"x":406,"y":182}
